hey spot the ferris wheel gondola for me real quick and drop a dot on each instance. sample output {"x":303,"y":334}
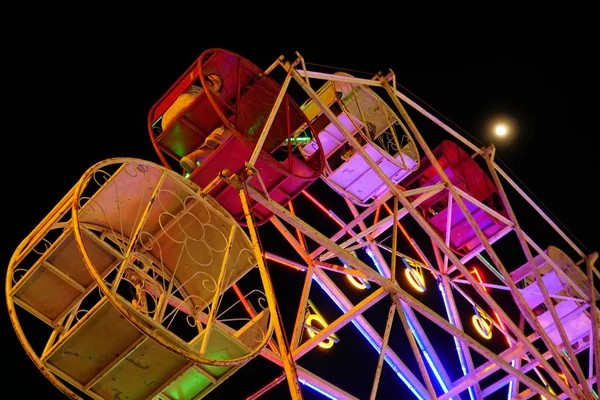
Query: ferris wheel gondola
{"x":146,"y":279}
{"x":379,"y":131}
{"x":223,"y":90}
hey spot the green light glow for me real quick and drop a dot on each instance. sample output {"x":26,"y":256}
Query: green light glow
{"x":486,"y":262}
{"x":157,"y":122}
{"x":188,"y":385}
{"x":299,"y":139}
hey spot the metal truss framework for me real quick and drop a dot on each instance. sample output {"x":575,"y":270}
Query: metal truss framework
{"x":571,"y":379}
{"x":564,"y":375}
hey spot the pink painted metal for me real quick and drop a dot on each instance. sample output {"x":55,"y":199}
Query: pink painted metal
{"x":467,"y":175}
{"x":243,"y":104}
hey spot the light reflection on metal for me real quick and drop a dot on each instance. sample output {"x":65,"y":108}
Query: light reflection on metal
{"x":405,"y":233}
{"x":288,"y":263}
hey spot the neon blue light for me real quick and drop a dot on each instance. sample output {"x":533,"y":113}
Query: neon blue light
{"x":428,"y":357}
{"x":326,"y":290}
{"x":370,"y":254}
{"x":316,"y":389}
{"x":512,"y":363}
{"x":458,"y":348}
{"x":435,"y":371}
{"x":369,"y":339}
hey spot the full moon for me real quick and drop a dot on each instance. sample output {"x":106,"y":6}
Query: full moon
{"x":501,"y":130}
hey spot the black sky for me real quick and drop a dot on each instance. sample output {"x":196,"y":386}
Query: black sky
{"x":75,"y":100}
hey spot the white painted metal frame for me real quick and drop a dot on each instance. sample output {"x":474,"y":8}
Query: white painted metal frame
{"x":371,"y":233}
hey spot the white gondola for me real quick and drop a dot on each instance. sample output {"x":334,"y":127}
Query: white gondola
{"x":568,"y":282}
{"x":377,"y":128}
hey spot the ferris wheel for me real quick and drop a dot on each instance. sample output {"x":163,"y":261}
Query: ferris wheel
{"x":163,"y":280}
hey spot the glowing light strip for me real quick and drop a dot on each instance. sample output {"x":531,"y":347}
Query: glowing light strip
{"x":326,"y":211}
{"x":376,"y":218}
{"x":381,"y":271}
{"x":508,"y":340}
{"x":298,"y":233}
{"x":359,"y":283}
{"x":486,"y":262}
{"x":298,"y":139}
{"x":407,"y":236}
{"x":427,"y":357}
{"x":245,"y":303}
{"x":375,"y":262}
{"x":341,"y":224}
{"x":265,"y":388}
{"x":282,"y":261}
{"x":439,"y":378}
{"x":432,"y":366}
{"x":399,"y":225}
{"x":510,"y":383}
{"x":316,"y":389}
{"x":484,"y":324}
{"x":461,"y":358}
{"x":369,"y":339}
{"x":475,"y":272}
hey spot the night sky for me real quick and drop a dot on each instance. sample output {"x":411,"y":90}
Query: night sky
{"x":76,"y":102}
